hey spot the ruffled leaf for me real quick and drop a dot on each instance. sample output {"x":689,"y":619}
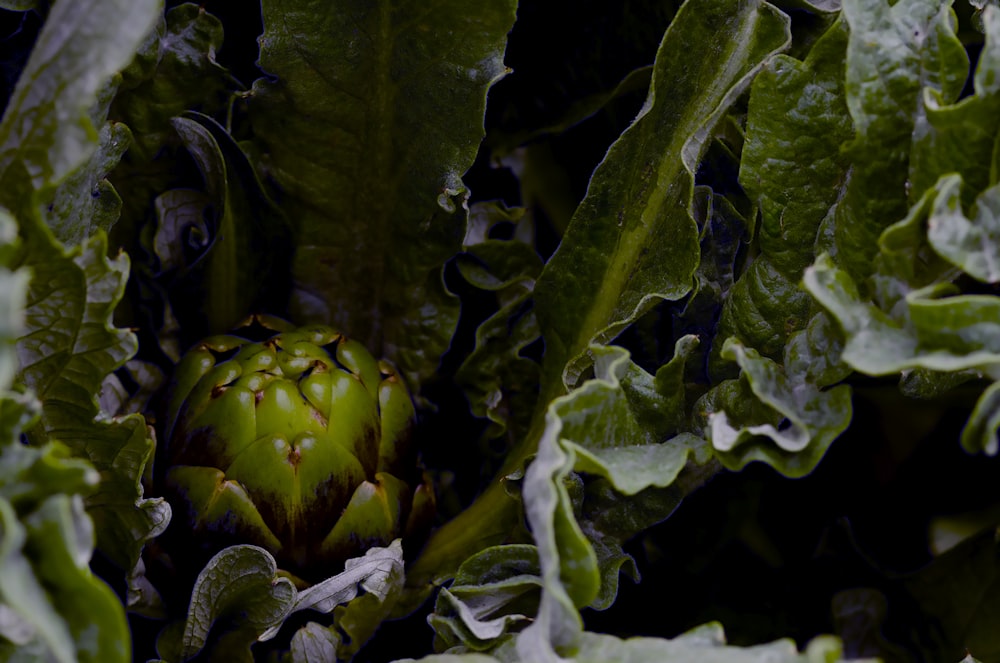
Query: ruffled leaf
{"x":893,"y":53}
{"x":792,"y":166}
{"x":68,"y":350}
{"x":495,"y":593}
{"x":46,"y":128}
{"x":601,"y":428}
{"x":772,"y":415}
{"x":240,"y":582}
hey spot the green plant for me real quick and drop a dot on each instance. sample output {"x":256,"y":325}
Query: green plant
{"x":298,"y":443}
{"x":635,"y":290}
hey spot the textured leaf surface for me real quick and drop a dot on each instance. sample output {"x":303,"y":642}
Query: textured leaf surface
{"x":793,"y":167}
{"x":367,"y":124}
{"x":797,"y":419}
{"x":703,"y":644}
{"x":894,"y":52}
{"x":239,"y":581}
{"x":495,"y":592}
{"x":633,"y":241}
{"x":596,"y":428}
{"x":46,"y":128}
{"x":47,"y":594}
{"x":68,"y":349}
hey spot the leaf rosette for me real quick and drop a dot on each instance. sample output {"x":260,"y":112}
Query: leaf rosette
{"x":299,"y":443}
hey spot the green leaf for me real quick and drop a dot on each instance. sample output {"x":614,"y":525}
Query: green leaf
{"x":973,"y":245}
{"x":894,"y":53}
{"x":174,"y":71}
{"x":498,"y":381}
{"x":773,"y":415}
{"x":950,"y":334}
{"x":959,"y":137}
{"x":242,"y":269}
{"x":793,"y":168}
{"x":705,"y":644}
{"x":46,"y":581}
{"x":68,"y":350}
{"x":370,"y":115}
{"x":241,"y":582}
{"x":596,"y":428}
{"x":314,"y":643}
{"x":29,"y":477}
{"x":85,"y":201}
{"x":360,"y":618}
{"x":13,"y":293}
{"x":980,"y":432}
{"x":46,"y":128}
{"x":379,"y":572}
{"x":633,"y":241}
{"x":959,"y":591}
{"x":495,"y":592}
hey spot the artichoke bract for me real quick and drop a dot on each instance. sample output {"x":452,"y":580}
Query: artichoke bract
{"x":298,"y":443}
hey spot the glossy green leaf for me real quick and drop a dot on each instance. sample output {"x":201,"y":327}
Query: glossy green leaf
{"x":69,"y":348}
{"x":633,"y":241}
{"x":495,"y":592}
{"x":792,"y":166}
{"x":367,"y":125}
{"x":46,"y":129}
{"x":596,"y":429}
{"x":773,"y":415}
{"x":970,"y":244}
{"x":241,"y":582}
{"x":958,"y":137}
{"x":949,"y":334}
{"x":893,"y":54}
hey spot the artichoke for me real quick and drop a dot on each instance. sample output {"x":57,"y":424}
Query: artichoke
{"x":298,"y":443}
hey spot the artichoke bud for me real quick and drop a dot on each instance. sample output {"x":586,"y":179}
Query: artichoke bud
{"x":299,"y":443}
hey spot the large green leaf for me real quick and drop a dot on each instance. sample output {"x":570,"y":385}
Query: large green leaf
{"x":67,"y":351}
{"x":960,"y":137}
{"x":52,"y":607}
{"x":604,"y":274}
{"x":46,"y":128}
{"x":893,"y":54}
{"x":605,"y":427}
{"x":369,"y":117}
{"x":69,"y":346}
{"x":793,"y":167}
{"x":633,"y":241}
